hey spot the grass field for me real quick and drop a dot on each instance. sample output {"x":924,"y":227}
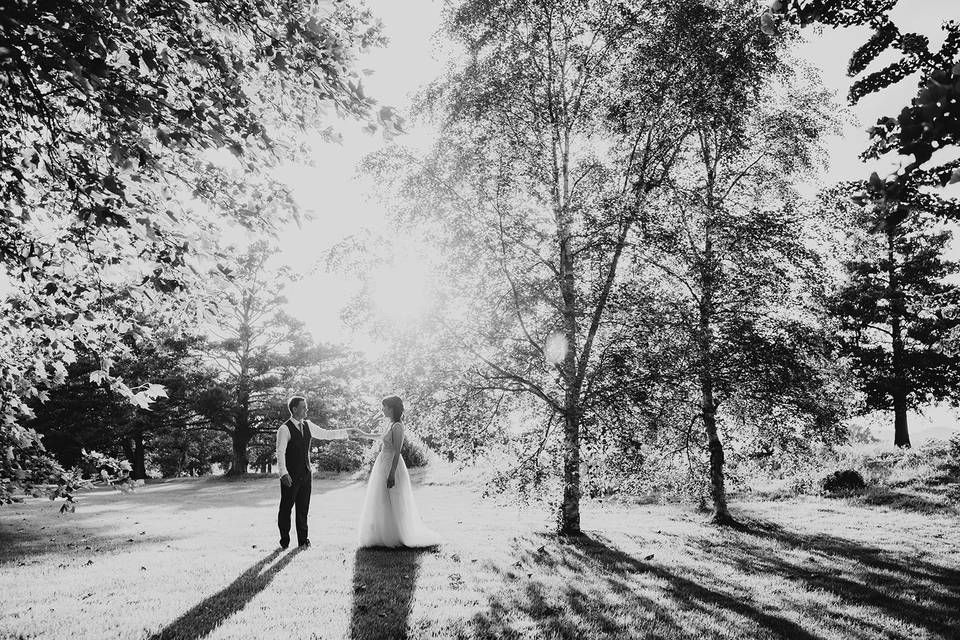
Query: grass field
{"x":198,"y":558}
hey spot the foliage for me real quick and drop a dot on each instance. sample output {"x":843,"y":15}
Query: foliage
{"x":84,"y":415}
{"x":42,"y":476}
{"x":844,"y":481}
{"x":721,"y":309}
{"x":931,"y":122}
{"x":261,"y":357}
{"x":895,"y":310}
{"x":924,"y":129}
{"x":559,"y":129}
{"x":340,"y":456}
{"x":924,"y":478}
{"x":117,"y":125}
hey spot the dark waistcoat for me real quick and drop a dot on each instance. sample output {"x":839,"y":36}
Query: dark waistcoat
{"x":298,"y":451}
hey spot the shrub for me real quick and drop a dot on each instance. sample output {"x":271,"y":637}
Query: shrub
{"x":414,"y":451}
{"x":953,"y":456}
{"x":340,"y":455}
{"x":845,"y":481}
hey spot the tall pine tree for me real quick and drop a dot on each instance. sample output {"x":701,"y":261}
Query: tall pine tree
{"x":894,"y":311}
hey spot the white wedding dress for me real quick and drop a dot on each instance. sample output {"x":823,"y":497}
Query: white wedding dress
{"x":389,"y":517}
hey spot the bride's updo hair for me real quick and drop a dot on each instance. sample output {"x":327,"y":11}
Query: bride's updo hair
{"x":395,"y":405}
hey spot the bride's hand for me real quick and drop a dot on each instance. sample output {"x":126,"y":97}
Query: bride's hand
{"x":390,"y":481}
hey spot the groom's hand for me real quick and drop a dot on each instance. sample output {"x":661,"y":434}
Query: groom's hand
{"x":285,"y":480}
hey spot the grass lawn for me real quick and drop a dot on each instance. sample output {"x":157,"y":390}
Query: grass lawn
{"x":198,"y":558}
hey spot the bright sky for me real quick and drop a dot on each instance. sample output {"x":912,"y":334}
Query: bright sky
{"x":339,"y":200}
{"x":333,"y":190}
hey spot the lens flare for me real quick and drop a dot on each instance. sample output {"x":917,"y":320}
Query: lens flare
{"x":401,"y":291}
{"x":555,"y":349}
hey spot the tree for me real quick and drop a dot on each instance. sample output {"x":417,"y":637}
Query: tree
{"x":564,"y":109}
{"x":85,"y":416}
{"x":926,"y":127}
{"x":897,"y":283}
{"x":559,"y":132}
{"x":110,"y":117}
{"x":729,"y":242}
{"x":262,"y":356}
{"x":930,"y":123}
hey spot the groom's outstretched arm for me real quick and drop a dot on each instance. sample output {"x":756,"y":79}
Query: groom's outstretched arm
{"x":319,"y":433}
{"x":283,"y":435}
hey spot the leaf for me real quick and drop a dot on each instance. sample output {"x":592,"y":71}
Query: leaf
{"x":768,"y":24}
{"x":156,"y":391}
{"x":141,"y":400}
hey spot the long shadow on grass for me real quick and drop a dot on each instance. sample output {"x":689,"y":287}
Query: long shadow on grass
{"x":383,"y":584}
{"x":611,"y":594}
{"x":918,"y":593}
{"x":905,"y":501}
{"x":202,"y":619}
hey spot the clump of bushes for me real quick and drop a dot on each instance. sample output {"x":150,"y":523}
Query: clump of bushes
{"x":952,"y":468}
{"x":339,"y":456}
{"x":846,"y":481}
{"x":344,"y":456}
{"x":930,"y":473}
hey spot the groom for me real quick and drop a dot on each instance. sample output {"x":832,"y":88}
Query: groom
{"x":293,"y":458}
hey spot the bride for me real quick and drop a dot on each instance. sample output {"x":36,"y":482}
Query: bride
{"x":390,"y":517}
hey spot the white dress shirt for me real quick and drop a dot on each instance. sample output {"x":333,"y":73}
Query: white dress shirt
{"x":316,"y":433}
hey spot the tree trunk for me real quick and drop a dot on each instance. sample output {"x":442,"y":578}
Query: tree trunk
{"x":569,"y":516}
{"x":721,"y":514}
{"x":134,"y":451}
{"x":569,"y":520}
{"x":901,"y":433}
{"x":241,"y":433}
{"x":240,"y":463}
{"x":708,"y":404}
{"x":203,"y":463}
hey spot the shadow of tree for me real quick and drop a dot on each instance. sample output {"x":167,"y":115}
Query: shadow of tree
{"x":383,"y":584}
{"x":906,"y":501}
{"x":202,"y":619}
{"x":593,"y":606}
{"x":615,"y":595}
{"x":919,"y":593}
{"x":32,"y":546}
